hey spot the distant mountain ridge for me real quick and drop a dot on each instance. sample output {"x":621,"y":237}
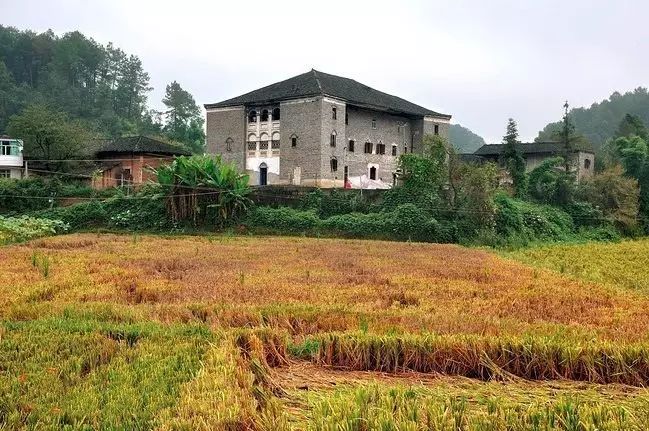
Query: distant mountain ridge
{"x":599,"y":122}
{"x":464,"y":140}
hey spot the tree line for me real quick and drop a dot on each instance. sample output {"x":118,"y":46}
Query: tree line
{"x":89,"y":89}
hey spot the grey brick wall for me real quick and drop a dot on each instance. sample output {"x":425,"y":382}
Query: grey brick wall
{"x":301,"y":118}
{"x":224,"y":124}
{"x":390,"y":130}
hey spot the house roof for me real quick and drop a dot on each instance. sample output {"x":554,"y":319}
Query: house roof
{"x":139,"y":145}
{"x":315,"y":83}
{"x":529,"y":148}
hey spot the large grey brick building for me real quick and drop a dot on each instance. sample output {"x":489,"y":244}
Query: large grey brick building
{"x":317,"y":129}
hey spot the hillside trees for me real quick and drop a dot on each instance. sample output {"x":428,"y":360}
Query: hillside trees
{"x":101,"y":85}
{"x":184,"y":121}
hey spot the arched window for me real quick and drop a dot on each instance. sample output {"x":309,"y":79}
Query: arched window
{"x":276,"y":114}
{"x":293,"y":140}
{"x":394,"y":149}
{"x":587,"y":164}
{"x":228,"y":144}
{"x":334,"y":164}
{"x":332,"y":139}
{"x":264,"y":116}
{"x":252,"y":116}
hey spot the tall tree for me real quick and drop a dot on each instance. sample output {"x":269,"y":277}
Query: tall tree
{"x":513,"y":158}
{"x":184,"y":122}
{"x":632,"y":125}
{"x":633,"y":152}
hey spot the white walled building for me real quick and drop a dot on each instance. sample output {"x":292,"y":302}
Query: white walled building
{"x":11,"y":158}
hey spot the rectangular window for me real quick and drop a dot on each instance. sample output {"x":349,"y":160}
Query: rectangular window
{"x":5,"y":173}
{"x":252,"y":148}
{"x":294,"y":141}
{"x":394,"y":150}
{"x":333,"y":113}
{"x":373,"y":123}
{"x":274,"y":146}
{"x":368,"y":148}
{"x":380,"y":148}
{"x":350,"y":147}
{"x":436,"y":129}
{"x":332,"y":140}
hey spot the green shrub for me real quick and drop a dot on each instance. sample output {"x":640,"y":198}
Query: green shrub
{"x":24,"y":228}
{"x":529,"y":222}
{"x":81,"y":215}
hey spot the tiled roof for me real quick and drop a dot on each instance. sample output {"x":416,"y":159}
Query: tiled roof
{"x":139,"y":145}
{"x":528,"y":148}
{"x":314,"y":83}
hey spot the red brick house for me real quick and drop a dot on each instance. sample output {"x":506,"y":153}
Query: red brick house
{"x":125,"y":161}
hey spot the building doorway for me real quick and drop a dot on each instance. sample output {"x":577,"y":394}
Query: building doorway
{"x":373,"y":173}
{"x":263,"y":174}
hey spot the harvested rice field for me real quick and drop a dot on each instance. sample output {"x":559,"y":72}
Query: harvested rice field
{"x":270,"y":333}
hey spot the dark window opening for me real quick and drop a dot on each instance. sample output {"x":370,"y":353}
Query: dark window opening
{"x":333,"y":113}
{"x":252,"y":117}
{"x":380,"y":148}
{"x":275,"y":114}
{"x":368,"y":148}
{"x":587,"y":164}
{"x":350,"y":147}
{"x":263,"y":174}
{"x":373,"y":173}
{"x":293,"y":141}
{"x":228,"y":144}
{"x":264,"y":115}
{"x":334,"y":164}
{"x":436,"y":129}
{"x":346,"y":174}
{"x":332,"y":139}
{"x":394,"y":150}
{"x":373,"y":123}
{"x":346,"y":118}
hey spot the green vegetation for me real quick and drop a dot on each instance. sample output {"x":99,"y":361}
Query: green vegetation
{"x":56,"y":91}
{"x":22,"y":228}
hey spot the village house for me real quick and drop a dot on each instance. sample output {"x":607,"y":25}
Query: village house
{"x":582,"y":159}
{"x":317,"y":129}
{"x":127,"y":161}
{"x":11,"y":158}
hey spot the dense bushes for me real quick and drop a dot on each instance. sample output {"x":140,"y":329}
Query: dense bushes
{"x":406,"y":222}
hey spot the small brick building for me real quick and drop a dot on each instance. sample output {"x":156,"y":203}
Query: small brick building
{"x":321,"y":130}
{"x":582,"y":159}
{"x":125,"y":161}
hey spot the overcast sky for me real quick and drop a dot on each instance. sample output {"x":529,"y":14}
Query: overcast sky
{"x":480,"y":61}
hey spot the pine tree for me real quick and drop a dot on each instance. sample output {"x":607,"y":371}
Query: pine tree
{"x":514,"y":160}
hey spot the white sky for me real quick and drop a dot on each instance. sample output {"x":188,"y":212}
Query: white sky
{"x":481,"y":61}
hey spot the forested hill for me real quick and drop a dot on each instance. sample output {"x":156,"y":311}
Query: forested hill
{"x":599,"y":122}
{"x":99,"y":86}
{"x":464,"y":140}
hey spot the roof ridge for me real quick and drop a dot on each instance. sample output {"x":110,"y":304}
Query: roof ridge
{"x":317,"y":80}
